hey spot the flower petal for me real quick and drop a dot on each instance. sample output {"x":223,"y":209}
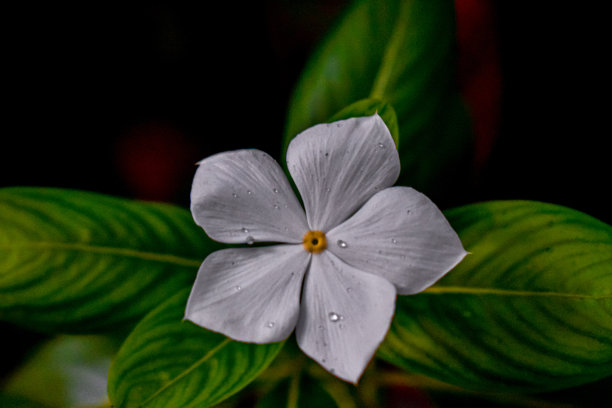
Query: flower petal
{"x":345,"y":315}
{"x":249,"y":294}
{"x":401,"y":235}
{"x":244,"y":196}
{"x":338,"y":166}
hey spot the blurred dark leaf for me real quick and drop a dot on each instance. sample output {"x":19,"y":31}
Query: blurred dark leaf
{"x":68,"y":371}
{"x":402,"y":53}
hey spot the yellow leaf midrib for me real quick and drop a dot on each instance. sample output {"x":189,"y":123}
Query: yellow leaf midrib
{"x":481,"y":291}
{"x":104,"y":250}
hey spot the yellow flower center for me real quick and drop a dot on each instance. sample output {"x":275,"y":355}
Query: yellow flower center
{"x":314,"y":241}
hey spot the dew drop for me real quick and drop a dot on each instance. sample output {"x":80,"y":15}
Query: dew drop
{"x":238,"y":288}
{"x":250,"y":240}
{"x":381,"y":146}
{"x":342,"y":244}
{"x":234,"y":195}
{"x":393,"y":240}
{"x":245,"y":230}
{"x":334,"y":317}
{"x":249,"y":192}
{"x":328,"y":189}
{"x":276,"y":207}
{"x":270,"y":325}
{"x":275,"y":190}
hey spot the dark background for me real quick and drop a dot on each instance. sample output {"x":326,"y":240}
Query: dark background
{"x":123,"y":99}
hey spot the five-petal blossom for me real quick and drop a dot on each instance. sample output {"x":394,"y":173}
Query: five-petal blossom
{"x":337,"y":267}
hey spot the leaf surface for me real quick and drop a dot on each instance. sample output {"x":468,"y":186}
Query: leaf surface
{"x":76,"y":261}
{"x":530,"y":309}
{"x":170,"y":362}
{"x":402,"y":53}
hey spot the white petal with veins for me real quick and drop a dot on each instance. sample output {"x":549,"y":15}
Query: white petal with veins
{"x":344,"y":316}
{"x":401,"y":235}
{"x":338,"y":166}
{"x":249,"y":294}
{"x":243,"y":196}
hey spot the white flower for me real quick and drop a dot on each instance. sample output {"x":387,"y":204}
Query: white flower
{"x":335,"y":274}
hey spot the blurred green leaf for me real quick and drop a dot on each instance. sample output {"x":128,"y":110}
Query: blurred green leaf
{"x":402,"y":53}
{"x":530,"y":309}
{"x":16,"y":401}
{"x":168,"y":362}
{"x":68,"y":371}
{"x":81,"y":262}
{"x":297,"y":392}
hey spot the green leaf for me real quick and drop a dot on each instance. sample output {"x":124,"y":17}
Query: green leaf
{"x":368,"y":107}
{"x":170,"y":362}
{"x":400,"y":52}
{"x":296,"y":392}
{"x":68,"y":371}
{"x":15,"y":401}
{"x":530,"y":309}
{"x":81,"y":262}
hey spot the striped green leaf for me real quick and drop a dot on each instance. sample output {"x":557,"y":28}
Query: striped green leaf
{"x":169,"y":362}
{"x":530,"y":309}
{"x":81,"y":262}
{"x":400,"y":52}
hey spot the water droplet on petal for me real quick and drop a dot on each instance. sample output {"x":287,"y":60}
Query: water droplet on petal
{"x":342,"y":244}
{"x":380,"y":145}
{"x":238,"y":288}
{"x":275,"y":190}
{"x":234,"y":195}
{"x":270,"y":325}
{"x":276,"y":207}
{"x":250,"y":240}
{"x":334,"y":317}
{"x":245,"y":230}
{"x":394,"y":240}
{"x":249,"y":192}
